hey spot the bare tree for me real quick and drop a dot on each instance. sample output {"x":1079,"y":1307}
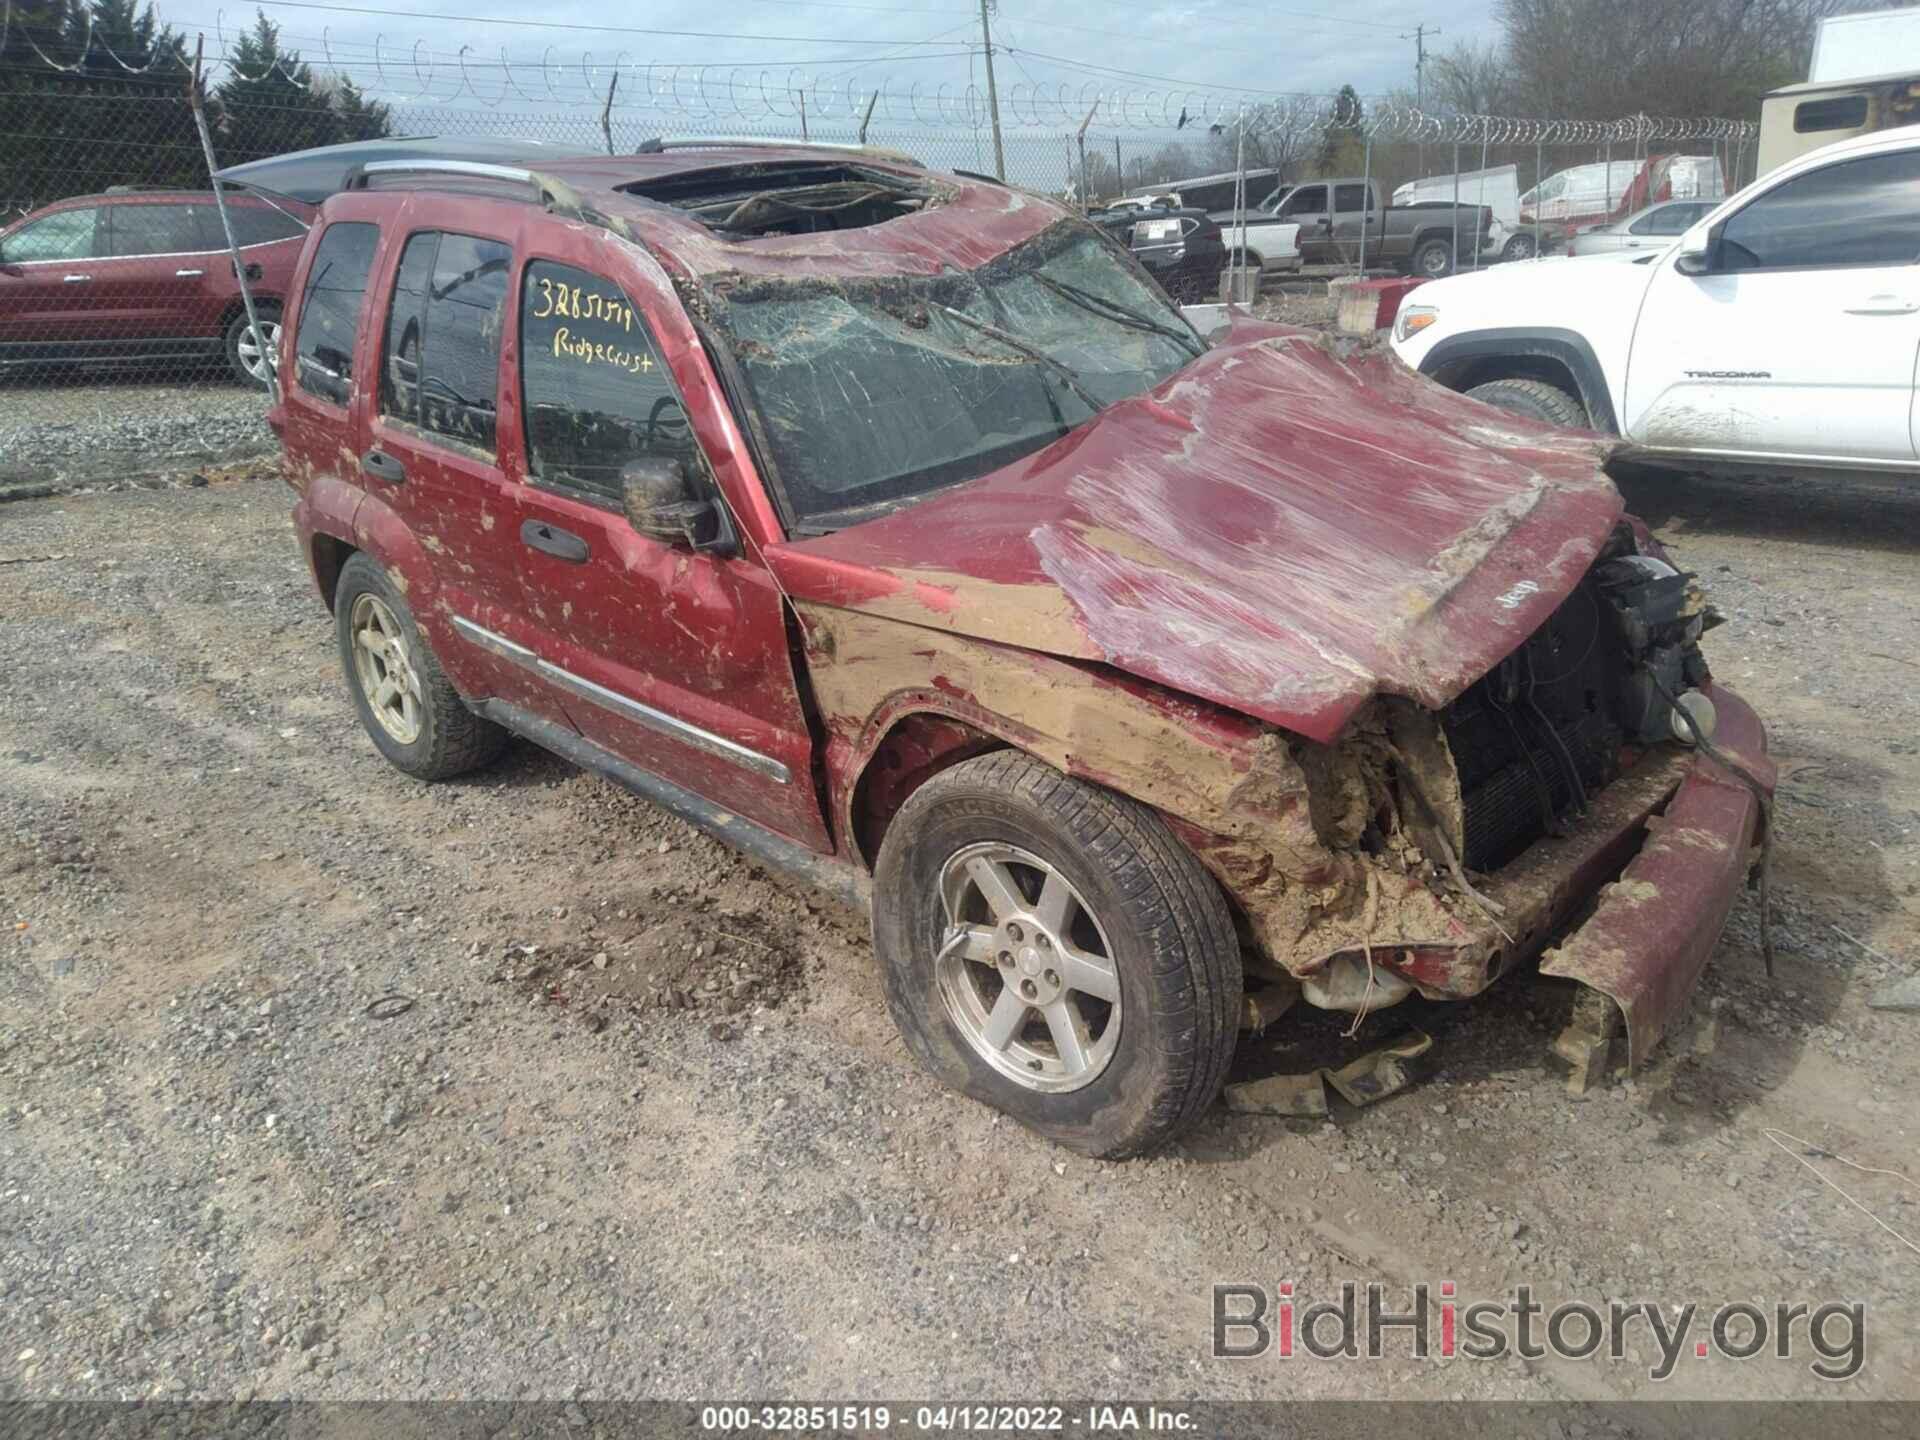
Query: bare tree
{"x":1601,"y":59}
{"x":1472,"y":80}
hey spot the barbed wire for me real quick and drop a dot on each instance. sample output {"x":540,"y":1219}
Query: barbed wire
{"x":416,"y":73}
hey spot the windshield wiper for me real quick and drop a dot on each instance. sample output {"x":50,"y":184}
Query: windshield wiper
{"x":1032,"y":352}
{"x":1114,"y":310}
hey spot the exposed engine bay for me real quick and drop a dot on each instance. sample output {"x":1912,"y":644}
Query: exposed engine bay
{"x":1557,"y":719}
{"x":1437,"y":802}
{"x":789,"y":198}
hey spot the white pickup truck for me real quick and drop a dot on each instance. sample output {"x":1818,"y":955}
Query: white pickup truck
{"x":1782,"y":329}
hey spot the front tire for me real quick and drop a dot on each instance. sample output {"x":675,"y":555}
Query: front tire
{"x":406,"y":703}
{"x":250,"y":364}
{"x":1536,"y":400}
{"x":1050,"y":949}
{"x":1520,"y":247}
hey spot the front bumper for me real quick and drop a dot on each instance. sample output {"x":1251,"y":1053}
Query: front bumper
{"x":1653,"y":928}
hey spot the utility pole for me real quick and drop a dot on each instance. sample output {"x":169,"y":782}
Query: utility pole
{"x":1419,"y":38}
{"x":993,"y":96}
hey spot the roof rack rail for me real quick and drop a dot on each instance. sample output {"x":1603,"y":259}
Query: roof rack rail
{"x":657,"y":146}
{"x":546,"y":190}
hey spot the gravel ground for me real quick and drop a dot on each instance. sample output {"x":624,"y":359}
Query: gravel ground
{"x":73,"y":434}
{"x":644,"y":1128}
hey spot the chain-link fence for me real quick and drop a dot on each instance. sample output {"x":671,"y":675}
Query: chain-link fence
{"x":112,"y":254}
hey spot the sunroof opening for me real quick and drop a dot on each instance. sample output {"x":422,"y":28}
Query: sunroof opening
{"x":790,"y":197}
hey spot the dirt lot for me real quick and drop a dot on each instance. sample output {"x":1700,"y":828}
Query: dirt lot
{"x":644,"y":1127}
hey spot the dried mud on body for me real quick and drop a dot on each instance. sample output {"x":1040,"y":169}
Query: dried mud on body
{"x":707,"y":1167}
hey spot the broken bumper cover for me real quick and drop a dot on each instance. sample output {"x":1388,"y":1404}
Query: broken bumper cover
{"x":1653,"y":928}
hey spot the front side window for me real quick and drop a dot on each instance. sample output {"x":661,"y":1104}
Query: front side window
{"x":440,"y":367}
{"x":1308,"y":200}
{"x":168,"y":228}
{"x":1856,"y":213}
{"x":595,"y":392}
{"x":330,"y":310}
{"x":870,"y":394}
{"x":1350,"y":197}
{"x":65,"y":235}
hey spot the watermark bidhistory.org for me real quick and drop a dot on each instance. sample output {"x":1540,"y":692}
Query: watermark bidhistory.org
{"x":1252,"y":1321}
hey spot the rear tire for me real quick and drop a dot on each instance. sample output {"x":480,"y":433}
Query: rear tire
{"x":1025,"y":870}
{"x":243,"y":354}
{"x":406,"y":703}
{"x":1432,"y":259}
{"x":1519,"y":247}
{"x":1536,"y":400}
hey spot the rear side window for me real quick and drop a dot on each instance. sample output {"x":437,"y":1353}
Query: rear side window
{"x":440,"y":368}
{"x":1674,"y":219}
{"x":1841,"y":112}
{"x":1856,"y":213}
{"x":330,"y":310}
{"x":595,"y":391}
{"x":67,"y":235}
{"x":257,"y":224}
{"x":154,"y":229}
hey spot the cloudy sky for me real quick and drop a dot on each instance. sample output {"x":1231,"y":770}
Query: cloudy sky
{"x":913,"y":50}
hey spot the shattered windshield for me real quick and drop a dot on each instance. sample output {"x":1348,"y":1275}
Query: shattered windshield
{"x":872,"y":393}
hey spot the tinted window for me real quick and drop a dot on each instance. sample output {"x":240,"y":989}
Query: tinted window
{"x":595,"y":390}
{"x":67,"y":235}
{"x":1349,"y":197}
{"x":169,"y":229}
{"x":1308,"y":199}
{"x":441,"y":366}
{"x":1673,"y":219}
{"x":1841,"y":112}
{"x":258,"y":224}
{"x":330,"y":310}
{"x":1859,"y":212}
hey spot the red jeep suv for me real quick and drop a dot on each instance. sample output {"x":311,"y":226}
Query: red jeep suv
{"x":896,"y":528}
{"x":145,"y":276}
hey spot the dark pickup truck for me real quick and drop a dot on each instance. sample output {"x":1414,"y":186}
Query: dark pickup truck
{"x":1419,"y":239}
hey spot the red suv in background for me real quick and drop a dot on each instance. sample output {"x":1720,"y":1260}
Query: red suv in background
{"x":144,"y":276}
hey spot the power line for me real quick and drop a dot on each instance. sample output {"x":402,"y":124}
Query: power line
{"x":567,"y":25}
{"x":1145,"y":39}
{"x":1106,"y":70}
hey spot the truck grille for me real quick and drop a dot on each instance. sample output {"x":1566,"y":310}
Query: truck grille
{"x":1536,"y":736}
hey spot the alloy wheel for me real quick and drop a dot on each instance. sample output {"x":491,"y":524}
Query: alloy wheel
{"x":385,"y":669}
{"x":1025,"y":969}
{"x":257,"y":365}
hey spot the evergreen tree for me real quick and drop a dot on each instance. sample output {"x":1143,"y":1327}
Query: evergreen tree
{"x":271,"y":102}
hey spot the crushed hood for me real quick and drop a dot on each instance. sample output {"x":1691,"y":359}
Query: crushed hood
{"x":1276,"y":529}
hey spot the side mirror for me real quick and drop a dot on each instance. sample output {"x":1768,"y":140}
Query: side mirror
{"x":657,"y":494}
{"x":1696,"y":250}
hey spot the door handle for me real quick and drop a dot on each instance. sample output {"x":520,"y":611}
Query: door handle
{"x":75,"y":279}
{"x":1884,"y":305}
{"x":188,"y":274}
{"x":383,"y":466}
{"x":552,"y":540}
